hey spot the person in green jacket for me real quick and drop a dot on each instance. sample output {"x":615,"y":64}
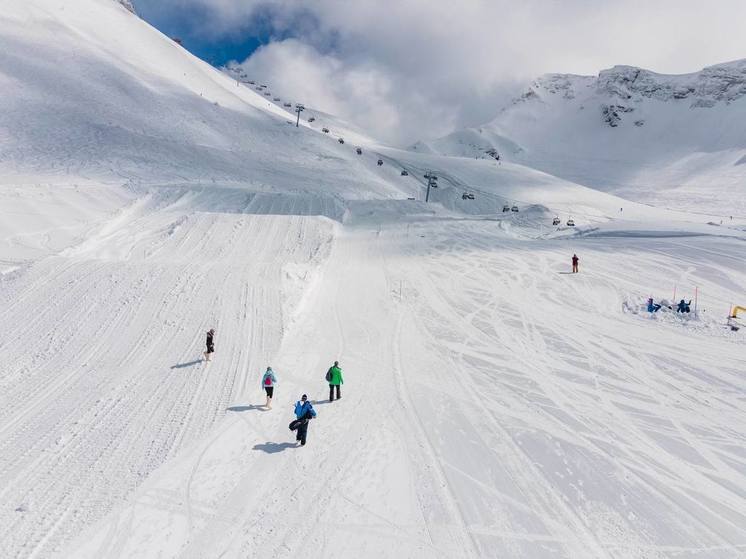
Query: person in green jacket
{"x":334,"y":378}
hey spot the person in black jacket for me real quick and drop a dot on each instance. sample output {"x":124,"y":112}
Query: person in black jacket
{"x":210,"y":344}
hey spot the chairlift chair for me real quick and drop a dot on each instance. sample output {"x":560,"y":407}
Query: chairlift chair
{"x":380,"y":162}
{"x":404,"y":173}
{"x":514,"y":209}
{"x":571,"y":222}
{"x":506,"y":208}
{"x":341,"y":140}
{"x":359,"y":151}
{"x":311,"y":119}
{"x":556,"y":221}
{"x":325,"y":130}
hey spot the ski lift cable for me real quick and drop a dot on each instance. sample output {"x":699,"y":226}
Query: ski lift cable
{"x":457,"y":183}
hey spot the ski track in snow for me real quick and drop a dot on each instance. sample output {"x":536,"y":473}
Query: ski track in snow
{"x":492,"y":407}
{"x":102,"y":378}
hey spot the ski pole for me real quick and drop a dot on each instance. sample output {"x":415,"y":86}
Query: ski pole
{"x":696,"y":290}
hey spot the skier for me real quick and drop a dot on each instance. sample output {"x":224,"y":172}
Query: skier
{"x":334,"y":378}
{"x":304,"y":412}
{"x":575,"y":261}
{"x":210,"y":344}
{"x":683,"y":306}
{"x":268,"y":383}
{"x":653,"y":307}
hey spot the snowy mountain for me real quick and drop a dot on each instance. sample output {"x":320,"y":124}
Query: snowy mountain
{"x":652,"y":137}
{"x":84,"y":82}
{"x":82,"y":85}
{"x":494,"y":404}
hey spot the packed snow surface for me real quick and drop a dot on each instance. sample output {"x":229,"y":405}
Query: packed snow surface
{"x":494,"y":404}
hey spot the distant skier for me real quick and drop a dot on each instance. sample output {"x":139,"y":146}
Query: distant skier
{"x":653,"y":307}
{"x":334,"y":378}
{"x":268,"y":383}
{"x":304,"y":412}
{"x":210,"y":344}
{"x":683,"y":306}
{"x":575,"y":261}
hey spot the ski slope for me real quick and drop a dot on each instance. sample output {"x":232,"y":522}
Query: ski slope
{"x":494,"y":405}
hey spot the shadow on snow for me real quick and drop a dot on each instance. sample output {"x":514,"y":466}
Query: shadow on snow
{"x":246,"y":408}
{"x":183,"y":365}
{"x":271,"y":448}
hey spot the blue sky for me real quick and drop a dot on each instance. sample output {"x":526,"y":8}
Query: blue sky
{"x":185,"y":22}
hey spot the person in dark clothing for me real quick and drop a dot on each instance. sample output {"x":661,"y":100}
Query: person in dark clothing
{"x":683,"y":306}
{"x":210,"y":344}
{"x":304,"y":412}
{"x":575,"y":261}
{"x":334,"y":378}
{"x":653,"y":307}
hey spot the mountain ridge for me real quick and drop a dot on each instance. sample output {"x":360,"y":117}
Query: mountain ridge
{"x":625,"y":129}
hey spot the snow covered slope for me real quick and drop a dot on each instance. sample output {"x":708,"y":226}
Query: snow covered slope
{"x":673,"y":140}
{"x":91,"y":91}
{"x":494,"y":405}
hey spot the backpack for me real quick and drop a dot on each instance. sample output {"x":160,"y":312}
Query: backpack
{"x":329,"y":375}
{"x":267,"y":380}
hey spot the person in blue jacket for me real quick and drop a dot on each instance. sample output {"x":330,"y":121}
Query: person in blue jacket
{"x":653,"y":307}
{"x":683,"y":306}
{"x":268,"y":384}
{"x":304,"y":412}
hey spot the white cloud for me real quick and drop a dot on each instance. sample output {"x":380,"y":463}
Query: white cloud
{"x":416,"y":68}
{"x":360,"y":91}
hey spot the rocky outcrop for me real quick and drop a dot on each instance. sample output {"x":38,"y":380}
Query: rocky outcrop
{"x":128,"y":5}
{"x":622,"y":89}
{"x":724,"y":82}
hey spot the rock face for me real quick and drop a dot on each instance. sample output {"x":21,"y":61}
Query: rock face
{"x":128,"y":4}
{"x":724,"y":82}
{"x":613,"y":114}
{"x":620,"y":88}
